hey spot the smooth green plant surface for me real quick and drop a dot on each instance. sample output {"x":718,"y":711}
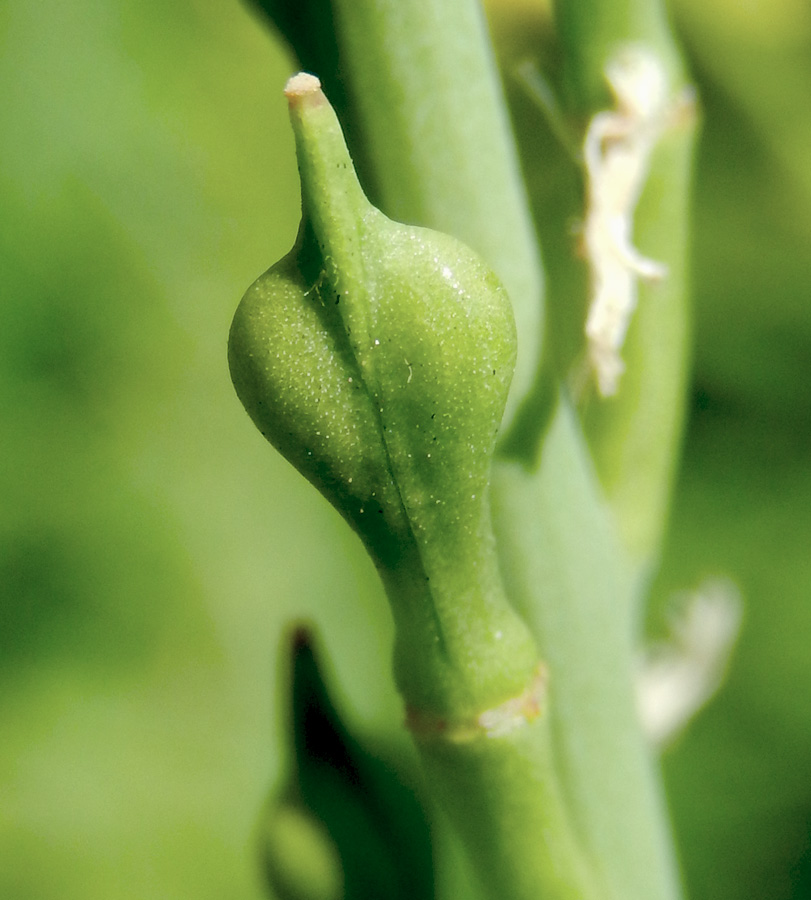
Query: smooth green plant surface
{"x":152,"y":550}
{"x":377,"y":357}
{"x":548,"y":505}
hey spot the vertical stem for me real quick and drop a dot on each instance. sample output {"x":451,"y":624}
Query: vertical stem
{"x":635,"y":436}
{"x":567,"y":573}
{"x":590,"y":31}
{"x":578,"y":608}
{"x":474,"y":690}
{"x":425,"y":89}
{"x":421,"y":77}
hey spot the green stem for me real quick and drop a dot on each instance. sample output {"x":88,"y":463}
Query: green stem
{"x":492,"y":770}
{"x":609,"y":777}
{"x":424,"y":88}
{"x":566,"y":572}
{"x":510,"y":814}
{"x":464,"y":661}
{"x":460,"y":646}
{"x":635,"y":436}
{"x":422,"y":80}
{"x":591,"y":31}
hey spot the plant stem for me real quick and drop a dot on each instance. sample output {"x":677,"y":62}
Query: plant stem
{"x":510,"y":814}
{"x":465,"y":662}
{"x":567,"y":573}
{"x":421,"y":78}
{"x":602,"y":756}
{"x":423,"y":83}
{"x":590,"y":32}
{"x":635,"y":436}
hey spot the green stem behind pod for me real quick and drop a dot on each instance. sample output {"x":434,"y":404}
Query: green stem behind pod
{"x":586,"y":629}
{"x":635,"y":434}
{"x":377,"y":357}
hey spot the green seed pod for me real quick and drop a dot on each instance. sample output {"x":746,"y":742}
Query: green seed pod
{"x":377,"y":358}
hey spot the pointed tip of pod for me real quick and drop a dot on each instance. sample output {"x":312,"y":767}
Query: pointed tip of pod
{"x":301,"y":86}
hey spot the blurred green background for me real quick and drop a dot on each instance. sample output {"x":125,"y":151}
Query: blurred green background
{"x":153,"y":548}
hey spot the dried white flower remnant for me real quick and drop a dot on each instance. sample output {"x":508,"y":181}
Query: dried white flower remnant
{"x":617,"y":153}
{"x":679,"y":676}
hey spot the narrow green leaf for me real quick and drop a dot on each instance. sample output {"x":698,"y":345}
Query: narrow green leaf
{"x":353,"y":814}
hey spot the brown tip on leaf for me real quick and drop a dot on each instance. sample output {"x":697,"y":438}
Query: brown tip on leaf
{"x":301,"y":638}
{"x":302,"y":86}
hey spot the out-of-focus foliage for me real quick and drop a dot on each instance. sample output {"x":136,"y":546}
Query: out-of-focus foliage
{"x":366,"y":823}
{"x":152,"y":548}
{"x":740,"y":781}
